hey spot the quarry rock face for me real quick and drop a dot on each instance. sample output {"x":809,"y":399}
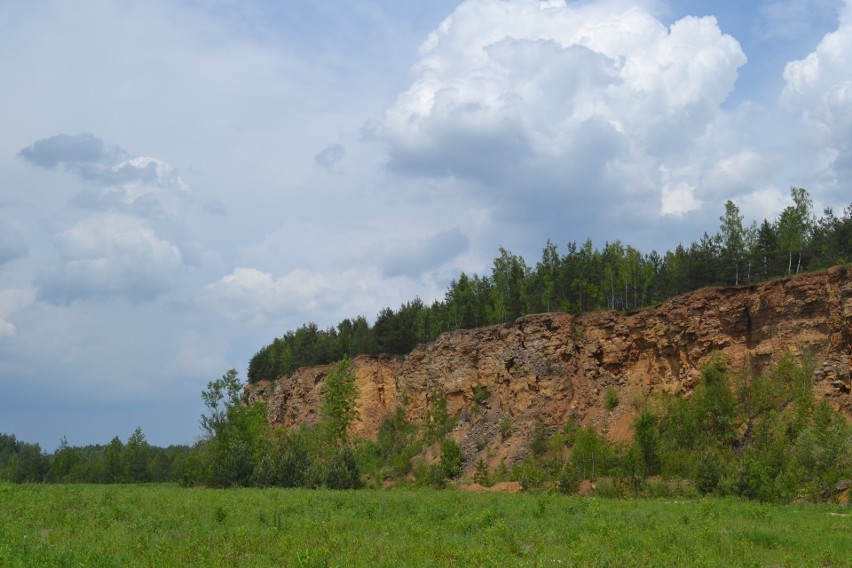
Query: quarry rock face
{"x":500,"y":381}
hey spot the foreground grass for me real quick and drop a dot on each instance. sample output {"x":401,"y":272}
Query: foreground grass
{"x":162,"y":525}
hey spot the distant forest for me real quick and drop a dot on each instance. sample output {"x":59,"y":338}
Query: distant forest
{"x":616,"y":277}
{"x":134,"y":461}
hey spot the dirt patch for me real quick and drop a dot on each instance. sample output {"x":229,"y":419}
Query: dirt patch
{"x":506,"y":487}
{"x":501,"y":487}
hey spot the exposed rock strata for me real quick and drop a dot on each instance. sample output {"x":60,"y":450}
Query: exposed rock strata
{"x":554,"y":366}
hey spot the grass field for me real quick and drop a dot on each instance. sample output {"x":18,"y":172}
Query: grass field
{"x":163,"y":525}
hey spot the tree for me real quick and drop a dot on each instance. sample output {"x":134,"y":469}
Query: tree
{"x":137,"y":451}
{"x":767,"y":247}
{"x":340,"y":409}
{"x":647,"y":442}
{"x":452,"y":459}
{"x":733,"y":238}
{"x":508,"y":275}
{"x":235,"y":432}
{"x":794,"y":226}
{"x":343,"y":472}
{"x":749,"y":245}
{"x":114,"y":470}
{"x":542,"y":290}
{"x":221,"y":395}
{"x":65,"y":459}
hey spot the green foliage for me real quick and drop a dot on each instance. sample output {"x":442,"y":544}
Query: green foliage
{"x":238,"y":446}
{"x":592,"y":455}
{"x":770,"y":441}
{"x":480,"y":394}
{"x":481,"y":475}
{"x":390,"y":457}
{"x":220,"y":396}
{"x":164,"y":525}
{"x":611,"y":399}
{"x":452,"y":459}
{"x":339,"y":409}
{"x":21,"y":462}
{"x":538,"y":440}
{"x":287,"y":461}
{"x":646,"y":444}
{"x":438,"y":419}
{"x":767,"y":441}
{"x":62,"y":464}
{"x":343,"y":471}
{"x":709,"y":472}
{"x":583,"y":279}
{"x":136,"y":457}
{"x":505,"y":427}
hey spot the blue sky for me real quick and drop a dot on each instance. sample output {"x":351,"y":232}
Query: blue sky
{"x":184,"y":181}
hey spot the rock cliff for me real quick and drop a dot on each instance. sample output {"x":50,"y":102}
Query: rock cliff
{"x":555,"y":366}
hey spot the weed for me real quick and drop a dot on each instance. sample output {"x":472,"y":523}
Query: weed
{"x":481,"y":394}
{"x":505,"y":427}
{"x":611,"y":399}
{"x":220,"y":514}
{"x":165,"y":525}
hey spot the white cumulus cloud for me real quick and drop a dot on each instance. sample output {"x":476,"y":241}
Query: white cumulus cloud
{"x":251,"y":296}
{"x":111,"y":255}
{"x":140,"y":185}
{"x":13,"y":300}
{"x":567,"y":102}
{"x":819,"y":88}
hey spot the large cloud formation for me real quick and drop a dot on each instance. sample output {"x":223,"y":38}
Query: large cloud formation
{"x":132,"y":184}
{"x":538,"y":102}
{"x":113,"y":251}
{"x":111,"y":255}
{"x":819,"y":88}
{"x":12,"y":244}
{"x":252,"y":296}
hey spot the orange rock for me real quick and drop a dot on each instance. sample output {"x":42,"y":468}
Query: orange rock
{"x":552,"y":367}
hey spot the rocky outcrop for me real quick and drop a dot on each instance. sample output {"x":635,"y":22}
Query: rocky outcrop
{"x":552,"y":367}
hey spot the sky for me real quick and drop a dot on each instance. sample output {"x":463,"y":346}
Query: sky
{"x":183,"y":181}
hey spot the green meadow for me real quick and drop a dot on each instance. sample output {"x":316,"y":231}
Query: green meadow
{"x":166,"y":525}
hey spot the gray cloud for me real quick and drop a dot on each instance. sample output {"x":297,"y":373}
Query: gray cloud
{"x":110,"y":256}
{"x":330,"y":157}
{"x":71,"y":151}
{"x":414,"y":258}
{"x":137,"y":185}
{"x":12,"y":244}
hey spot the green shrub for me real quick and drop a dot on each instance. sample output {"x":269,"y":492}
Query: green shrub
{"x":709,"y":472}
{"x":538,"y":441}
{"x":481,"y":475}
{"x":287,"y":460}
{"x":505,"y":427}
{"x":529,"y":473}
{"x":343,"y":470}
{"x":438,"y":419}
{"x":480,"y":394}
{"x":452,"y":459}
{"x":611,"y":399}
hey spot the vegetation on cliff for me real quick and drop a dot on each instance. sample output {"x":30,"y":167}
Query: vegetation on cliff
{"x":761,"y":437}
{"x":585,"y":278}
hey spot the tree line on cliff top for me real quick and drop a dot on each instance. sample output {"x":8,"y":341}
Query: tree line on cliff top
{"x":585,"y":278}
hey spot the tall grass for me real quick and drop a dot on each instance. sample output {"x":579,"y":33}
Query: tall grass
{"x":162,"y":525}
